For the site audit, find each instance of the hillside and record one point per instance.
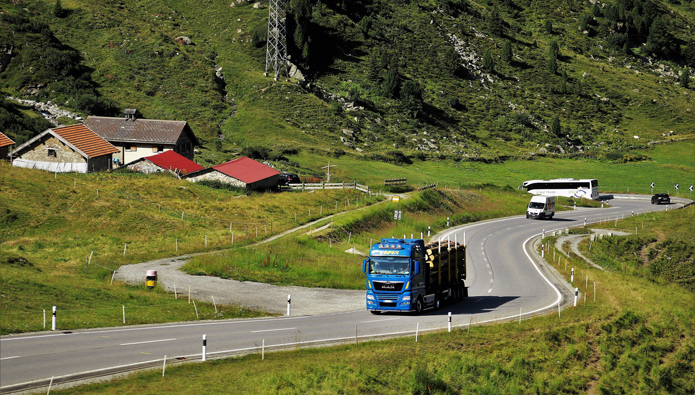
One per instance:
(390, 81)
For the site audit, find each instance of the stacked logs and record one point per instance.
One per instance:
(451, 256)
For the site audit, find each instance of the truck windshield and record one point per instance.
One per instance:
(389, 265)
(536, 205)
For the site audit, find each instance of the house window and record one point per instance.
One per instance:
(158, 148)
(131, 148)
(52, 153)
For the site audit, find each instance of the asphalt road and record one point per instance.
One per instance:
(504, 280)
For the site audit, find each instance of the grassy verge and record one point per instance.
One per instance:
(317, 258)
(53, 225)
(632, 335)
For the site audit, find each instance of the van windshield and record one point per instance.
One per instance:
(536, 205)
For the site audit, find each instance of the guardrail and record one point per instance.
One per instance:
(329, 185)
(430, 186)
(395, 181)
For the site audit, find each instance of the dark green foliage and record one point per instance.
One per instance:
(256, 152)
(488, 61)
(552, 65)
(555, 127)
(411, 96)
(259, 36)
(507, 53)
(689, 53)
(391, 84)
(585, 21)
(365, 24)
(554, 49)
(18, 126)
(495, 23)
(451, 61)
(660, 40)
(548, 26)
(374, 66)
(684, 79)
(58, 10)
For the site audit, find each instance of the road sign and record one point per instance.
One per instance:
(651, 185)
(397, 215)
(691, 188)
(395, 199)
(675, 187)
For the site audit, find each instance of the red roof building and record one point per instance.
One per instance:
(74, 148)
(166, 161)
(243, 172)
(5, 144)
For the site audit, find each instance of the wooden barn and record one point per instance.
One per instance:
(6, 144)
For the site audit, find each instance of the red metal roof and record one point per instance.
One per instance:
(85, 140)
(170, 160)
(246, 170)
(5, 141)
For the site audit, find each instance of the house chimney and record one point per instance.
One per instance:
(130, 113)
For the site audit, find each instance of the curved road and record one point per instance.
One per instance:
(504, 279)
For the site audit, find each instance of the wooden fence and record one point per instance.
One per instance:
(329, 185)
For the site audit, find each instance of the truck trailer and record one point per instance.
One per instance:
(408, 275)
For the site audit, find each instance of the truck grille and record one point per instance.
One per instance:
(388, 286)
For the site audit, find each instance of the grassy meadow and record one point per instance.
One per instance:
(632, 335)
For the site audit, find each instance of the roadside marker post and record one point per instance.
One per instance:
(53, 321)
(289, 302)
(572, 276)
(164, 365)
(576, 293)
(449, 325)
(205, 344)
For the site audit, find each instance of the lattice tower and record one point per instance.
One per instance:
(276, 50)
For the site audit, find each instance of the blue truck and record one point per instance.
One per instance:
(407, 275)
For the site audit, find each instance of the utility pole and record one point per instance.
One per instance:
(328, 172)
(276, 49)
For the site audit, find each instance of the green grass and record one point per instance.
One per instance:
(633, 335)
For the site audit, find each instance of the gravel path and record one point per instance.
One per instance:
(574, 241)
(259, 296)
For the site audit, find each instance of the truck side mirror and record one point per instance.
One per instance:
(364, 266)
(416, 267)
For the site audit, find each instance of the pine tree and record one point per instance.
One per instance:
(552, 65)
(488, 61)
(58, 9)
(685, 78)
(507, 53)
(689, 54)
(555, 127)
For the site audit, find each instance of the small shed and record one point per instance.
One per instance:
(243, 172)
(74, 148)
(6, 144)
(166, 161)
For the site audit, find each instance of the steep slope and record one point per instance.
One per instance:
(385, 80)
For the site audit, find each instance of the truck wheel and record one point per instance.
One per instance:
(526, 216)
(418, 306)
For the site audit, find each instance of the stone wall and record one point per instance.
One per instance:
(217, 176)
(64, 154)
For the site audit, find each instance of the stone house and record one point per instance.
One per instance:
(73, 148)
(243, 172)
(166, 161)
(137, 138)
(5, 147)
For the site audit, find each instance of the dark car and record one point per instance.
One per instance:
(288, 178)
(661, 198)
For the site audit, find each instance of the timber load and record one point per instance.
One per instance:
(446, 261)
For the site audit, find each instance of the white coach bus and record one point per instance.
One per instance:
(569, 187)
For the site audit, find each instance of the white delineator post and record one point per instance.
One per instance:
(449, 322)
(572, 276)
(289, 302)
(53, 321)
(576, 293)
(205, 344)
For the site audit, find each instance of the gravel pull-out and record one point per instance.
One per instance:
(259, 296)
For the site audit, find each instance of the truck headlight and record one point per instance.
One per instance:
(406, 298)
(370, 297)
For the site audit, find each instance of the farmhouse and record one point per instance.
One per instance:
(5, 147)
(243, 172)
(72, 148)
(137, 138)
(166, 161)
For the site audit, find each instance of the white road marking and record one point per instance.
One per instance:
(385, 319)
(16, 356)
(275, 330)
(149, 341)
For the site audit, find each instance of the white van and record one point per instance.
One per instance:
(541, 207)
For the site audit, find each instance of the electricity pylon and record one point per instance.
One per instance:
(276, 49)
